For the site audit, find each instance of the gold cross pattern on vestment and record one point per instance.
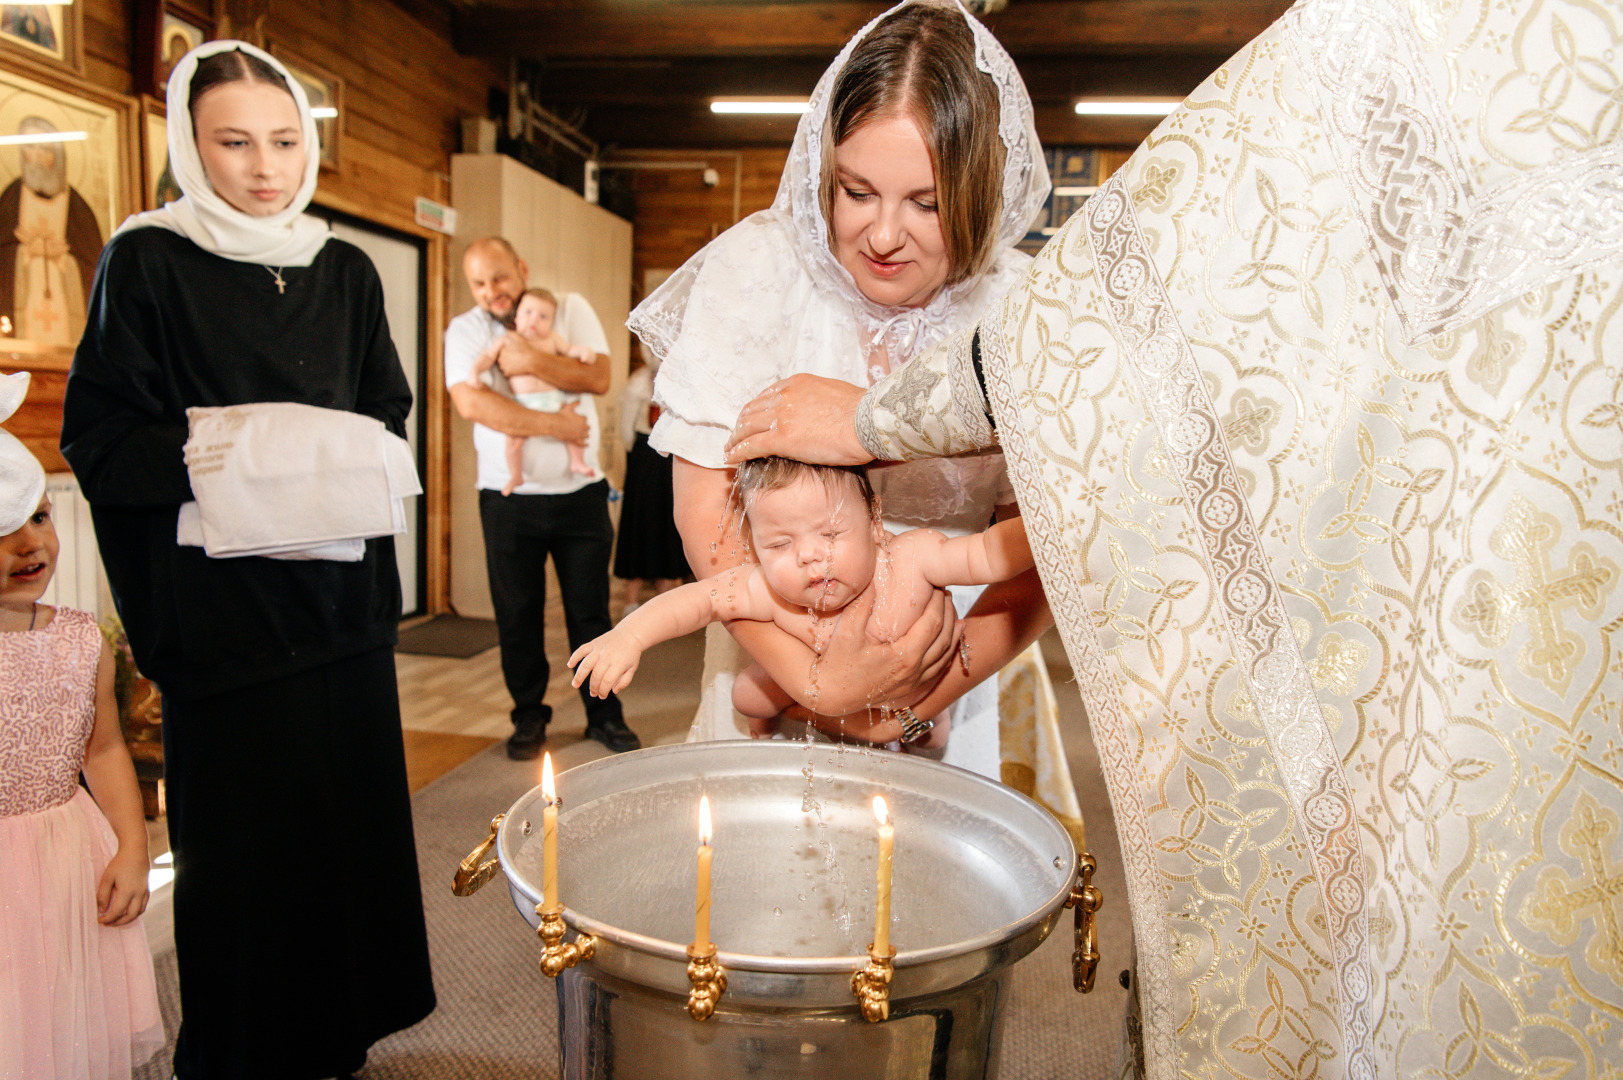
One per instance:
(1540, 595)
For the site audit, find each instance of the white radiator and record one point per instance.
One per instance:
(79, 579)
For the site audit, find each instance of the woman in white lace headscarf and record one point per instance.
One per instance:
(797, 288)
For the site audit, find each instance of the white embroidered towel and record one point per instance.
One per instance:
(293, 481)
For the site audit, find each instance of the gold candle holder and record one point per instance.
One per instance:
(473, 871)
(871, 985)
(556, 957)
(1087, 900)
(708, 979)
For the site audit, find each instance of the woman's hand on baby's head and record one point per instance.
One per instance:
(610, 660)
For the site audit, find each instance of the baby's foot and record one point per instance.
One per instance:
(582, 469)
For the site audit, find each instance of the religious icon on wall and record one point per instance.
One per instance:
(62, 192)
(48, 32)
(159, 186)
(326, 93)
(165, 31)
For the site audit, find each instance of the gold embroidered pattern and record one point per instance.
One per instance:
(1259, 630)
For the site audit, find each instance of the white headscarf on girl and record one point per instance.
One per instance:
(770, 293)
(289, 237)
(22, 479)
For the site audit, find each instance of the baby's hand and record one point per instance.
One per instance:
(121, 896)
(583, 353)
(610, 660)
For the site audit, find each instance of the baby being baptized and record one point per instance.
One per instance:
(818, 545)
(532, 320)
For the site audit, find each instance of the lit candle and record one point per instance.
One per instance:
(887, 838)
(701, 907)
(549, 839)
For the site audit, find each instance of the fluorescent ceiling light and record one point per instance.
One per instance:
(323, 112)
(1125, 108)
(43, 137)
(1076, 189)
(760, 106)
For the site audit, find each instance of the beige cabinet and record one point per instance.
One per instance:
(569, 245)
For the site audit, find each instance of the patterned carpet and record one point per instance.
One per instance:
(497, 1015)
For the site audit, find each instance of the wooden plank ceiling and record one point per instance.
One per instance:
(641, 73)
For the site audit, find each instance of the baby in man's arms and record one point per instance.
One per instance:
(533, 321)
(818, 545)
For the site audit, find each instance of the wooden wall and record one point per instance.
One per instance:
(677, 214)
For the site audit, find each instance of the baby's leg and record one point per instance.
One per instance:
(577, 461)
(515, 463)
(759, 698)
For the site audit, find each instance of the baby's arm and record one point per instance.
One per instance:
(611, 660)
(121, 896)
(998, 554)
(559, 347)
(484, 363)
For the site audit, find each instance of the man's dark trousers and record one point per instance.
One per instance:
(521, 531)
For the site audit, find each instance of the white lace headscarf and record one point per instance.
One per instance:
(1025, 176)
(22, 480)
(769, 284)
(289, 237)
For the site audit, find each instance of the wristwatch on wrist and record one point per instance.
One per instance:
(914, 727)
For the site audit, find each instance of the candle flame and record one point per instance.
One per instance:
(704, 819)
(879, 810)
(547, 787)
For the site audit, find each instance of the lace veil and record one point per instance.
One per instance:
(768, 298)
(1025, 174)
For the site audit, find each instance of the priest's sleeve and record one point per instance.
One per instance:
(934, 406)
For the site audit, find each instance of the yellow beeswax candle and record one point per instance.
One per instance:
(701, 908)
(887, 839)
(549, 839)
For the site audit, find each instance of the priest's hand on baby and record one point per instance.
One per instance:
(805, 417)
(610, 660)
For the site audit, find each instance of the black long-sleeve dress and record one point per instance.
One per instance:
(282, 743)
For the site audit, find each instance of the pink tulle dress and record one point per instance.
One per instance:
(77, 999)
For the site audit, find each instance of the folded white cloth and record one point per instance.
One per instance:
(293, 481)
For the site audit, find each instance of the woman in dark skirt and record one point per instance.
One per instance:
(298, 917)
(648, 547)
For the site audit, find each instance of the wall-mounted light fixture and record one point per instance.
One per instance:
(785, 106)
(1096, 107)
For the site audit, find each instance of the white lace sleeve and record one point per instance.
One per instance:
(725, 327)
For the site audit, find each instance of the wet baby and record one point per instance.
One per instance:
(818, 544)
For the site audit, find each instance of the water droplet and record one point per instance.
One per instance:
(778, 911)
(801, 897)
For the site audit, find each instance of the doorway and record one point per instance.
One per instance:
(401, 265)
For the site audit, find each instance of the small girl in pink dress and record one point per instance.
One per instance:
(77, 997)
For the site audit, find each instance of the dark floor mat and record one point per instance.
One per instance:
(449, 635)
